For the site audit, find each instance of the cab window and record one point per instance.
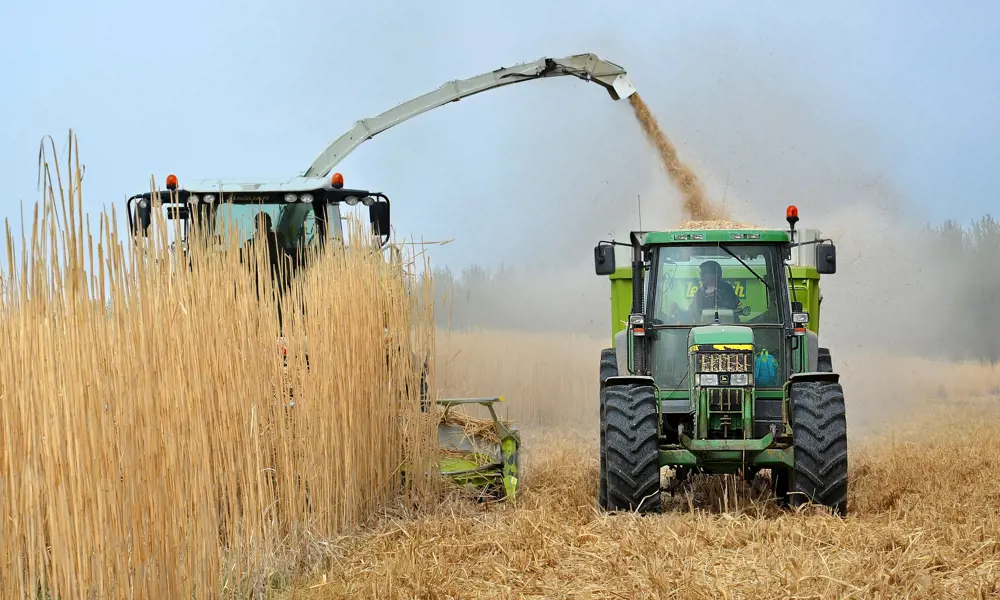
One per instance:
(695, 281)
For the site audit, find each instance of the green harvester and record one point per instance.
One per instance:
(720, 383)
(306, 212)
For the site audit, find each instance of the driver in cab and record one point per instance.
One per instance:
(263, 231)
(712, 289)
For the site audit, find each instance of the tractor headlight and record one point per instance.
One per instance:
(740, 379)
(209, 198)
(638, 324)
(291, 198)
(351, 200)
(708, 379)
(306, 198)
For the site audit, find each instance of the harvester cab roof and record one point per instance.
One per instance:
(303, 210)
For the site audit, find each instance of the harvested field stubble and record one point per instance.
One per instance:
(147, 447)
(923, 501)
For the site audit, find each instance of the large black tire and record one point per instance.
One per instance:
(609, 368)
(819, 429)
(632, 439)
(825, 361)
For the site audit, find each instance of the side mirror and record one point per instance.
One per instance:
(826, 258)
(604, 259)
(378, 214)
(143, 216)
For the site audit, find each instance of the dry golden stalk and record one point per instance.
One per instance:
(146, 446)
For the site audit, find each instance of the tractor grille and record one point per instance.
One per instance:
(727, 400)
(724, 362)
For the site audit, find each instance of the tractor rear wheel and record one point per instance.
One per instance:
(825, 361)
(633, 454)
(609, 368)
(819, 429)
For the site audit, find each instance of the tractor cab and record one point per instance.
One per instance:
(716, 330)
(303, 211)
(725, 285)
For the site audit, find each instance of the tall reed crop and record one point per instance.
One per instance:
(153, 441)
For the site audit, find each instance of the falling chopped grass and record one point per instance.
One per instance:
(148, 448)
(696, 205)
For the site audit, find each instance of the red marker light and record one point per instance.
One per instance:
(171, 182)
(792, 216)
(337, 181)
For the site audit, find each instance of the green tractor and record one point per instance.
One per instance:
(716, 367)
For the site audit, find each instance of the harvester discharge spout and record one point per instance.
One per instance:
(588, 67)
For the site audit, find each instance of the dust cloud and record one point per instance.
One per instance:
(759, 138)
(696, 206)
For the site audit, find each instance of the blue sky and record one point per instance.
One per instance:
(787, 102)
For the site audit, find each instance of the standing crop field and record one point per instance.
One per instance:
(153, 442)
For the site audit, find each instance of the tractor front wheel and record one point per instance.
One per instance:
(609, 368)
(819, 429)
(633, 454)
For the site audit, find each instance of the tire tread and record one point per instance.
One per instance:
(632, 437)
(819, 427)
(609, 368)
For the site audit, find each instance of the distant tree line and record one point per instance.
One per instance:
(967, 317)
(934, 292)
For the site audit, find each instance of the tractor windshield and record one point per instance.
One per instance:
(294, 223)
(736, 280)
(688, 290)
